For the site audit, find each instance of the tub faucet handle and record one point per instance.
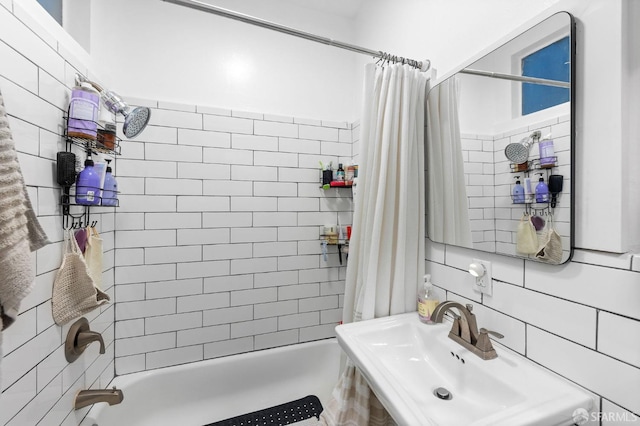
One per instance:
(78, 338)
(86, 337)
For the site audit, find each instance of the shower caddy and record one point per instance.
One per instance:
(90, 147)
(530, 169)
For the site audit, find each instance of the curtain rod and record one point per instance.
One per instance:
(524, 79)
(204, 7)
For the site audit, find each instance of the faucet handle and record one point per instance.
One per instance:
(469, 307)
(83, 338)
(484, 343)
(78, 337)
(491, 332)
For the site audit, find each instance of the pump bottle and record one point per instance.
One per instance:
(110, 193)
(88, 185)
(427, 301)
(542, 191)
(518, 192)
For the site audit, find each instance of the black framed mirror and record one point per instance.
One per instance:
(500, 148)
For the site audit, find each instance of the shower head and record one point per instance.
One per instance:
(518, 152)
(135, 120)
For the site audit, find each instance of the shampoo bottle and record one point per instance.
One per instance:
(518, 192)
(88, 185)
(542, 191)
(426, 301)
(110, 193)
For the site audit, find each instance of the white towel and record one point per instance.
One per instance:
(20, 232)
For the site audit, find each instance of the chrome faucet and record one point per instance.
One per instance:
(465, 329)
(92, 396)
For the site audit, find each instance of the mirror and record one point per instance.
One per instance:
(500, 147)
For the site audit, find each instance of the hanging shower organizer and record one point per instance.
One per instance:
(81, 215)
(530, 169)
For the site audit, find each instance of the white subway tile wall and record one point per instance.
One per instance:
(221, 252)
(37, 383)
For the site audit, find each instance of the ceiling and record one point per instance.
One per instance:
(345, 8)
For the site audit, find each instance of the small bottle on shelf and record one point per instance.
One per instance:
(340, 173)
(350, 173)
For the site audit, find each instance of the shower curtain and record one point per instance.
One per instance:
(386, 252)
(448, 220)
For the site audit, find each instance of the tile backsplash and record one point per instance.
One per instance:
(579, 319)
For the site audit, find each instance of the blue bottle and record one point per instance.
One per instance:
(110, 192)
(88, 185)
(542, 191)
(518, 192)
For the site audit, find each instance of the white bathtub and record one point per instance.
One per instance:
(207, 391)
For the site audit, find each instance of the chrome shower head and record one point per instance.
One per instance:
(518, 152)
(135, 121)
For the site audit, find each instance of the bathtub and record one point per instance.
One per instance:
(203, 392)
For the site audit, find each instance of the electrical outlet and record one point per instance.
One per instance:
(483, 283)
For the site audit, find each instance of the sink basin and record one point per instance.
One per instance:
(405, 362)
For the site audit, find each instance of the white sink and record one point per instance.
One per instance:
(404, 361)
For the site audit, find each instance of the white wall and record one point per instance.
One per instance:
(181, 55)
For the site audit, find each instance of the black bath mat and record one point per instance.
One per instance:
(280, 415)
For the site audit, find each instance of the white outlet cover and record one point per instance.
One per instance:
(485, 283)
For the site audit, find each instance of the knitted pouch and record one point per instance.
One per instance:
(526, 237)
(74, 293)
(550, 246)
(93, 256)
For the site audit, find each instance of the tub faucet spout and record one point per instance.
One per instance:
(92, 396)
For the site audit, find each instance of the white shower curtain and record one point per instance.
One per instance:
(386, 252)
(448, 219)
